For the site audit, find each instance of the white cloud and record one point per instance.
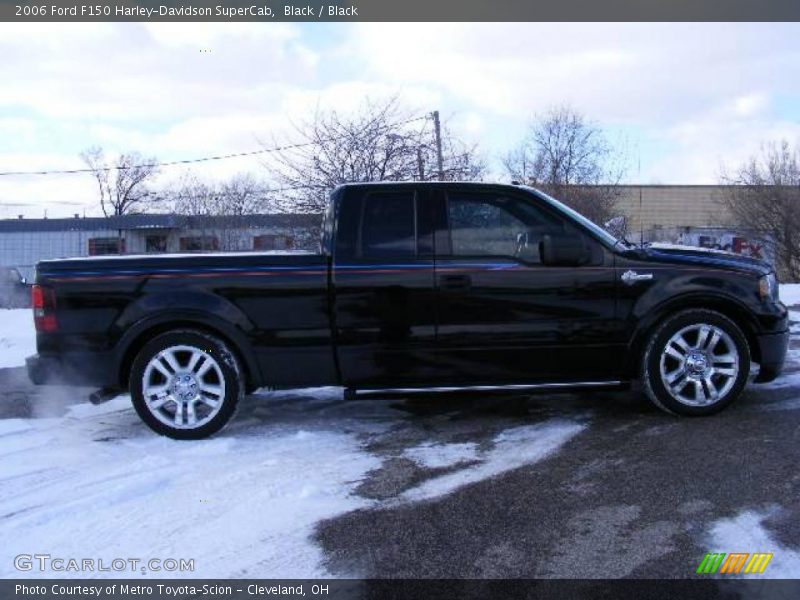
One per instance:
(143, 87)
(206, 35)
(751, 104)
(612, 71)
(152, 72)
(703, 93)
(718, 139)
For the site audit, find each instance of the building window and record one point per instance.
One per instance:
(155, 243)
(272, 242)
(106, 245)
(198, 243)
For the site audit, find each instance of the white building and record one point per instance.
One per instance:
(24, 242)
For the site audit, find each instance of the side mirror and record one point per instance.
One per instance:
(563, 250)
(23, 280)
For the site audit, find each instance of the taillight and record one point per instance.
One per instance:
(43, 300)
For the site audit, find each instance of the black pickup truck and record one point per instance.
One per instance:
(416, 286)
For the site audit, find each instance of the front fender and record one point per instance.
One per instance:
(736, 299)
(683, 288)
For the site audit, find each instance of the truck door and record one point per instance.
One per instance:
(504, 317)
(383, 287)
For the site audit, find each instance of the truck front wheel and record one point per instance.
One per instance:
(186, 384)
(696, 363)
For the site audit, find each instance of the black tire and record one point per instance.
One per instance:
(224, 372)
(657, 389)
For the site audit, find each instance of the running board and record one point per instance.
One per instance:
(353, 394)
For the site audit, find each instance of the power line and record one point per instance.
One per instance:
(167, 196)
(195, 160)
(152, 165)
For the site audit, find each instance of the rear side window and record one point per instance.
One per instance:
(388, 225)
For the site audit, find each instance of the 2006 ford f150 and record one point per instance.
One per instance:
(416, 286)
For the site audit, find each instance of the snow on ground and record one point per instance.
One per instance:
(241, 504)
(746, 532)
(435, 456)
(97, 483)
(14, 426)
(17, 337)
(512, 449)
(790, 293)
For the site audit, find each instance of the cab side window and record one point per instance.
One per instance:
(483, 224)
(388, 228)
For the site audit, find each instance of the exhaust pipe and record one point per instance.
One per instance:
(104, 395)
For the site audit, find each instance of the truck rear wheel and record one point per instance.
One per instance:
(186, 384)
(696, 363)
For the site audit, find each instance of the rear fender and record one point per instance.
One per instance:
(155, 313)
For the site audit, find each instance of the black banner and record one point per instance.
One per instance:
(397, 589)
(401, 10)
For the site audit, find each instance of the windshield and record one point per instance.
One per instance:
(601, 233)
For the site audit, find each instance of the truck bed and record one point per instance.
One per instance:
(275, 304)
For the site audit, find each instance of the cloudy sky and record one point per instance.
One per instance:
(684, 99)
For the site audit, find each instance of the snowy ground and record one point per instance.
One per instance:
(790, 294)
(17, 338)
(305, 484)
(242, 504)
(237, 504)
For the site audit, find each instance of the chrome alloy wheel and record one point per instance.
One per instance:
(183, 387)
(699, 364)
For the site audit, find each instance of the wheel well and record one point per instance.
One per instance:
(148, 334)
(734, 312)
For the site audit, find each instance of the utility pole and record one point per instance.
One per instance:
(437, 131)
(641, 222)
(420, 164)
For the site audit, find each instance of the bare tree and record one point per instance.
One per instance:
(242, 194)
(462, 161)
(379, 142)
(764, 199)
(571, 159)
(220, 207)
(123, 183)
(191, 196)
(239, 196)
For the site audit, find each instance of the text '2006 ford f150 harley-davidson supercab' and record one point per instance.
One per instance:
(416, 286)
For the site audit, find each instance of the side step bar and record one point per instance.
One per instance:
(355, 393)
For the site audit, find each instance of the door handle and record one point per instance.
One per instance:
(455, 283)
(630, 277)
